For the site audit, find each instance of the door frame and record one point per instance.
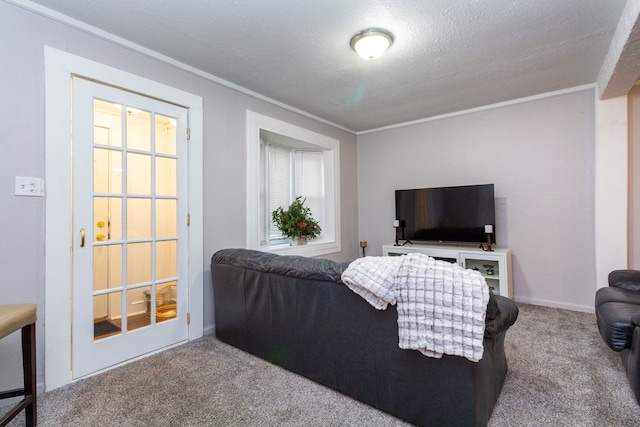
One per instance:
(60, 66)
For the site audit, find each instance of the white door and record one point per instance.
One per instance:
(130, 242)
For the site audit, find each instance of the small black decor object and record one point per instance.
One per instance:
(400, 223)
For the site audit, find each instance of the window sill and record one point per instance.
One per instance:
(311, 249)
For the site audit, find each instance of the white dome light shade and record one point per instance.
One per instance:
(371, 43)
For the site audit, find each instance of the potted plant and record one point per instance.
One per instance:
(296, 222)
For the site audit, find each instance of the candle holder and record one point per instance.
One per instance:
(396, 225)
(363, 244)
(488, 248)
(488, 231)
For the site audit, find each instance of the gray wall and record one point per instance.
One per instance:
(634, 178)
(540, 156)
(22, 37)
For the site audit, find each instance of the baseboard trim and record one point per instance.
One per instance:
(556, 304)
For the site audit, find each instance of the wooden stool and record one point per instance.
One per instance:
(12, 318)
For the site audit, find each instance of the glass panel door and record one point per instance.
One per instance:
(129, 193)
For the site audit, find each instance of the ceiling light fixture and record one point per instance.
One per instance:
(372, 42)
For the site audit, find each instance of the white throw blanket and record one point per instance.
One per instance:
(441, 306)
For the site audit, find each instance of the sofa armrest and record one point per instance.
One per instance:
(627, 279)
(508, 314)
(635, 319)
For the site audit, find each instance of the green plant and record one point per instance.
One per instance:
(296, 221)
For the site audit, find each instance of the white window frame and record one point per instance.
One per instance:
(330, 241)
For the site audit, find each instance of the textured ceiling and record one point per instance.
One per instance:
(449, 55)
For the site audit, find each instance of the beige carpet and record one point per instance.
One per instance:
(560, 374)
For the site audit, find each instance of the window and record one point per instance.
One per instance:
(285, 161)
(287, 172)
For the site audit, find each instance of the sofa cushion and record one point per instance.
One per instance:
(307, 268)
(616, 294)
(287, 265)
(615, 325)
(243, 258)
(628, 279)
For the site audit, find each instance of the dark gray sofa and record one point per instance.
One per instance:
(295, 312)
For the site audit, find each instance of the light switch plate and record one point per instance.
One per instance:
(28, 186)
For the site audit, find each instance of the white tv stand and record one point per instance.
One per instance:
(495, 266)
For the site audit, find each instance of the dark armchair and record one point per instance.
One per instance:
(618, 318)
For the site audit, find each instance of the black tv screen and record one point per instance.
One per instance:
(446, 214)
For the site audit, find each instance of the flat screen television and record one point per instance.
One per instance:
(446, 214)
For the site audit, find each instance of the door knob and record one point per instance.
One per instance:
(100, 224)
(100, 237)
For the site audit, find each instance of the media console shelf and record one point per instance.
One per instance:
(495, 266)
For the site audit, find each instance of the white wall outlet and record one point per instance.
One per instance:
(28, 186)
